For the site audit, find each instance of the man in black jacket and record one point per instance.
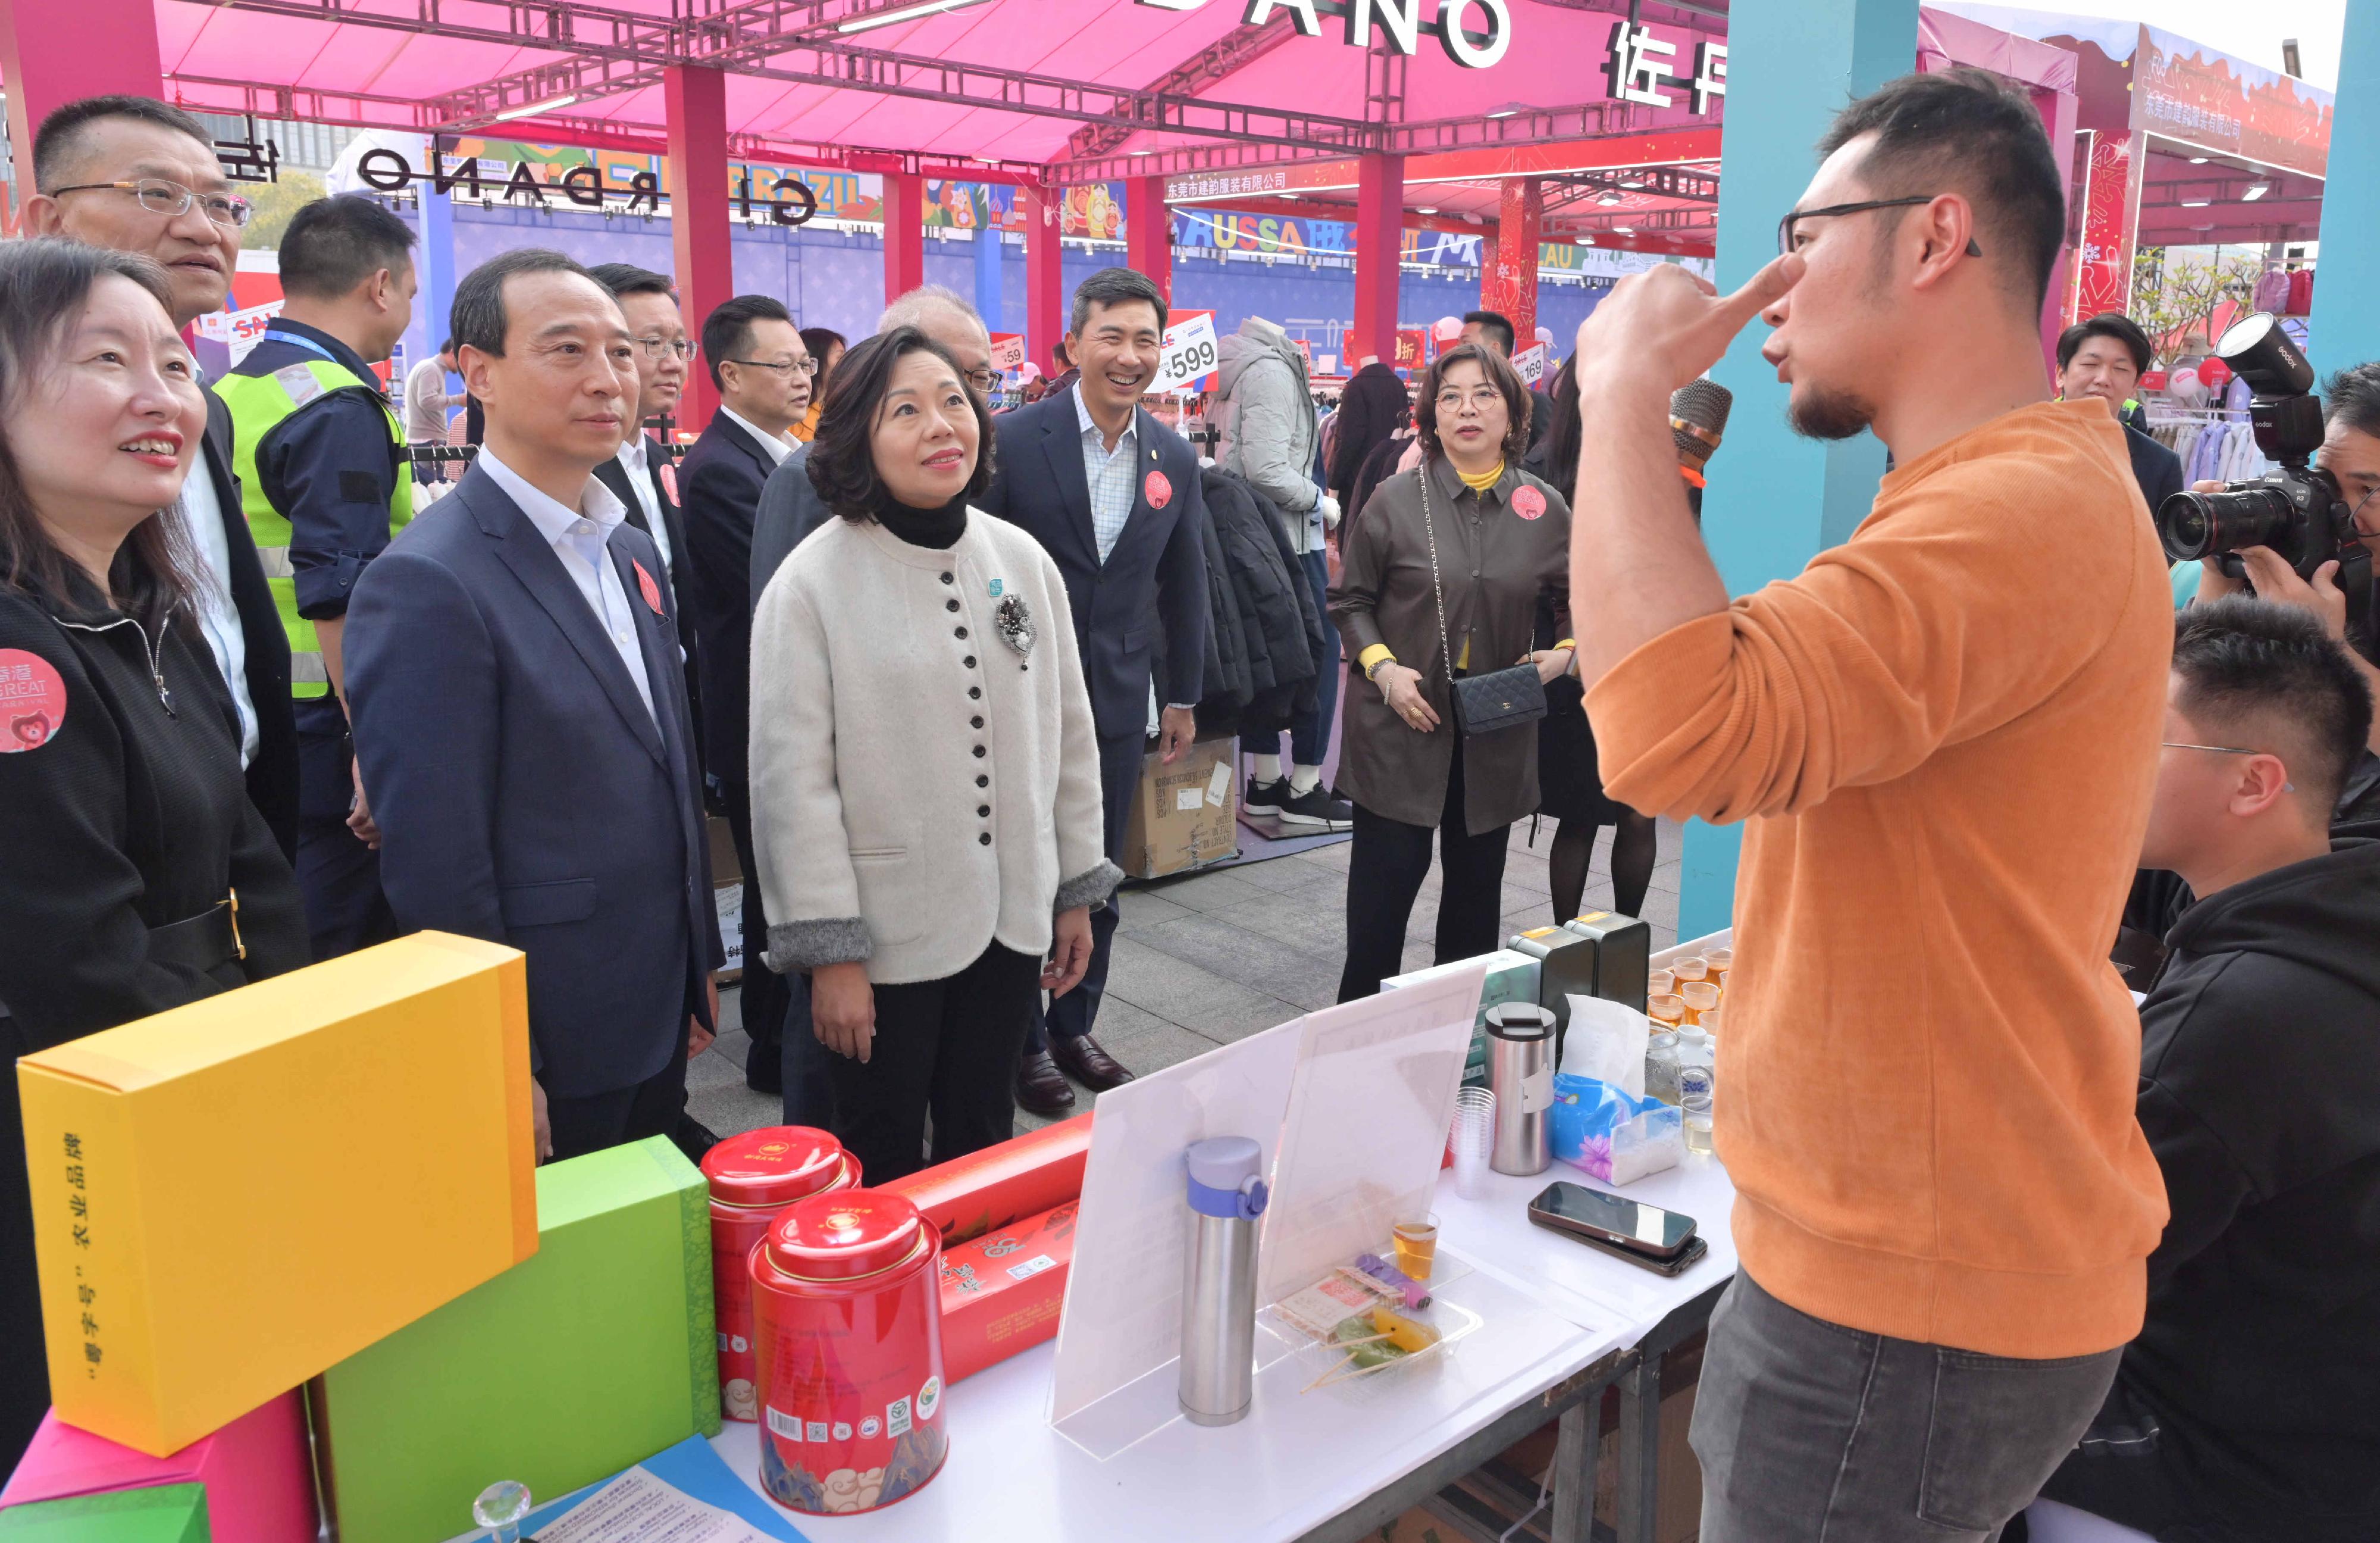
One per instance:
(1373, 407)
(2244, 1409)
(110, 171)
(2105, 357)
(758, 361)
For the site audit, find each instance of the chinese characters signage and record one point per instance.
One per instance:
(1474, 32)
(1644, 69)
(2185, 91)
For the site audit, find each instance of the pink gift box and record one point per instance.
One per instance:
(256, 1470)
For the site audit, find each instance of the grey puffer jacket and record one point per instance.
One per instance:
(1269, 426)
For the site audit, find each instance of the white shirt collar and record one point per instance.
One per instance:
(553, 520)
(777, 445)
(631, 453)
(1088, 424)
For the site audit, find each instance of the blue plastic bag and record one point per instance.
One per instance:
(1612, 1134)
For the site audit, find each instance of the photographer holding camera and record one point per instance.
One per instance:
(1948, 725)
(2351, 453)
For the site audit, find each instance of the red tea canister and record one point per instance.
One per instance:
(753, 1178)
(847, 1316)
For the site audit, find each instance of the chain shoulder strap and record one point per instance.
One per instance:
(1437, 585)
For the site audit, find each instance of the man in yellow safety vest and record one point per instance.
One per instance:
(325, 484)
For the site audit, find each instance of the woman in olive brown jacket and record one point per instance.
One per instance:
(1502, 539)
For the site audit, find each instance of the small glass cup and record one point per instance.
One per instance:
(1720, 961)
(1694, 966)
(1416, 1246)
(1660, 982)
(1700, 997)
(1667, 1008)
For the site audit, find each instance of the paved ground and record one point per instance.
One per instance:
(1207, 959)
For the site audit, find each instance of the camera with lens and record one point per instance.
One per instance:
(2297, 510)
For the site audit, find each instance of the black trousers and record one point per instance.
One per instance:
(1385, 868)
(596, 1121)
(764, 993)
(948, 1046)
(1070, 1016)
(337, 874)
(24, 1359)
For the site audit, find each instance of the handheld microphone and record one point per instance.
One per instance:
(1697, 418)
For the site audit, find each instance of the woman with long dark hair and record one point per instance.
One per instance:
(138, 877)
(1570, 781)
(926, 806)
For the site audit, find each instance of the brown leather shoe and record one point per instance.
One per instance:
(1040, 1086)
(1084, 1061)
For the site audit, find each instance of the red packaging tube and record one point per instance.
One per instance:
(753, 1178)
(1000, 1186)
(846, 1306)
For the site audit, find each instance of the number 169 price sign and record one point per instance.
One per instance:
(1188, 353)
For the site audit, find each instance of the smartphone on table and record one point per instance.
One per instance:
(1662, 1241)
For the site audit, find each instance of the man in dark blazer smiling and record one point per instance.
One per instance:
(521, 719)
(1113, 495)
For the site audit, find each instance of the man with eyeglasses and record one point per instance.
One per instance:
(640, 474)
(758, 361)
(2242, 1411)
(1947, 725)
(132, 174)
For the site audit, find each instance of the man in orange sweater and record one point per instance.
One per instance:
(1943, 734)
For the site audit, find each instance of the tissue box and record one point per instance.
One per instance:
(1511, 976)
(257, 1472)
(1023, 1176)
(232, 1195)
(1002, 1293)
(593, 1355)
(178, 1514)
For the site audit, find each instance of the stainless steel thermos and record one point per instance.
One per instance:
(1218, 1297)
(1521, 1075)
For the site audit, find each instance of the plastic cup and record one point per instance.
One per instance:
(1694, 966)
(1474, 1140)
(1700, 997)
(1416, 1246)
(1668, 1008)
(1659, 983)
(1720, 961)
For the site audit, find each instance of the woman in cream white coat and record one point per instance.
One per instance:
(925, 771)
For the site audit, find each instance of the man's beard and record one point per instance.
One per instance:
(1818, 413)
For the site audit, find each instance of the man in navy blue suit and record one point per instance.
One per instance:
(520, 716)
(1113, 495)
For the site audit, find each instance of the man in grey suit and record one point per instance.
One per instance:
(520, 716)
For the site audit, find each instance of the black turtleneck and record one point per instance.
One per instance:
(939, 529)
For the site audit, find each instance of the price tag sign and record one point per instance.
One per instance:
(1188, 353)
(1531, 362)
(1008, 351)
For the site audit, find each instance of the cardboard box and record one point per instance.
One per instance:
(589, 1357)
(233, 1196)
(1511, 976)
(1000, 1185)
(1002, 1293)
(257, 1471)
(1184, 814)
(178, 1514)
(727, 896)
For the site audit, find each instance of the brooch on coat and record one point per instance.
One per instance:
(1014, 619)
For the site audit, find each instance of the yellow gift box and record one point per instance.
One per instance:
(233, 1196)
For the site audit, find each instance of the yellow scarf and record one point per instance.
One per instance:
(1484, 480)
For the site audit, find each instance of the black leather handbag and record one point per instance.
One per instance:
(1490, 703)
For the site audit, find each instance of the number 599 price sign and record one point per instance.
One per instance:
(1188, 353)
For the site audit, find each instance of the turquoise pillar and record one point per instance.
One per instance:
(2345, 328)
(1775, 500)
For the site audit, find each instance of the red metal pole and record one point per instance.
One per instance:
(1045, 283)
(1148, 231)
(905, 234)
(1379, 243)
(47, 58)
(1507, 282)
(695, 101)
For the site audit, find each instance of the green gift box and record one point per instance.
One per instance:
(591, 1355)
(172, 1513)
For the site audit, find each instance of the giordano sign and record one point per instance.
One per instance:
(1400, 21)
(786, 200)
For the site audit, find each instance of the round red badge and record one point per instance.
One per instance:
(645, 582)
(32, 702)
(1159, 490)
(669, 477)
(1528, 502)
